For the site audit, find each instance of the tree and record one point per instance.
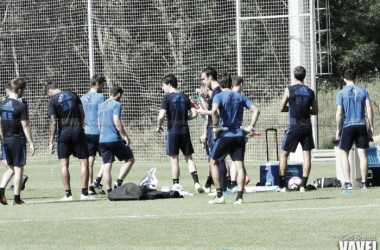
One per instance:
(355, 39)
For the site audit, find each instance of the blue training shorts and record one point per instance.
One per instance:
(176, 142)
(357, 134)
(72, 142)
(15, 154)
(93, 144)
(295, 135)
(118, 148)
(234, 146)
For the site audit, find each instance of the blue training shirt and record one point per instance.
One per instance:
(231, 109)
(12, 113)
(108, 131)
(91, 102)
(301, 99)
(65, 105)
(353, 98)
(177, 106)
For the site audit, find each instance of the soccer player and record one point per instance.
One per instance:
(91, 102)
(352, 102)
(114, 141)
(302, 104)
(176, 105)
(209, 78)
(237, 83)
(66, 119)
(2, 154)
(14, 128)
(231, 104)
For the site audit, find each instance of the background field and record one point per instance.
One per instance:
(312, 220)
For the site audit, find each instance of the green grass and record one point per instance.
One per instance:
(293, 220)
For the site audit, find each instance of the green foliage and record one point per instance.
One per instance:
(355, 40)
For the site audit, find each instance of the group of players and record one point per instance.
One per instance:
(91, 124)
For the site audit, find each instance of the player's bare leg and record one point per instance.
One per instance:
(283, 167)
(193, 171)
(65, 174)
(7, 176)
(17, 182)
(107, 167)
(124, 170)
(240, 178)
(174, 161)
(91, 162)
(345, 164)
(362, 153)
(306, 167)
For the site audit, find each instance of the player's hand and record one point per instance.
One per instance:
(248, 131)
(370, 132)
(31, 149)
(337, 136)
(127, 140)
(159, 130)
(202, 140)
(51, 148)
(217, 130)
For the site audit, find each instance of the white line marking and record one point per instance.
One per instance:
(187, 214)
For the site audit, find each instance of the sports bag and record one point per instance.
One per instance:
(327, 182)
(126, 192)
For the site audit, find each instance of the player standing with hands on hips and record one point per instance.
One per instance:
(229, 136)
(14, 124)
(351, 102)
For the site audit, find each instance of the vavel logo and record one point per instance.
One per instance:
(357, 242)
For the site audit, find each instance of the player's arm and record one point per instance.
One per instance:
(255, 115)
(119, 126)
(314, 107)
(368, 106)
(214, 114)
(81, 112)
(53, 130)
(338, 119)
(202, 139)
(28, 134)
(204, 102)
(1, 130)
(193, 114)
(284, 101)
(160, 119)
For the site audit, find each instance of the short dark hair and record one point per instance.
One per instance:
(210, 72)
(49, 86)
(225, 81)
(350, 74)
(16, 84)
(299, 73)
(97, 78)
(170, 79)
(116, 89)
(237, 80)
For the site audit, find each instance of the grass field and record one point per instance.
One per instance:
(293, 220)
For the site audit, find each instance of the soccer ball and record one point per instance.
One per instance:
(295, 183)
